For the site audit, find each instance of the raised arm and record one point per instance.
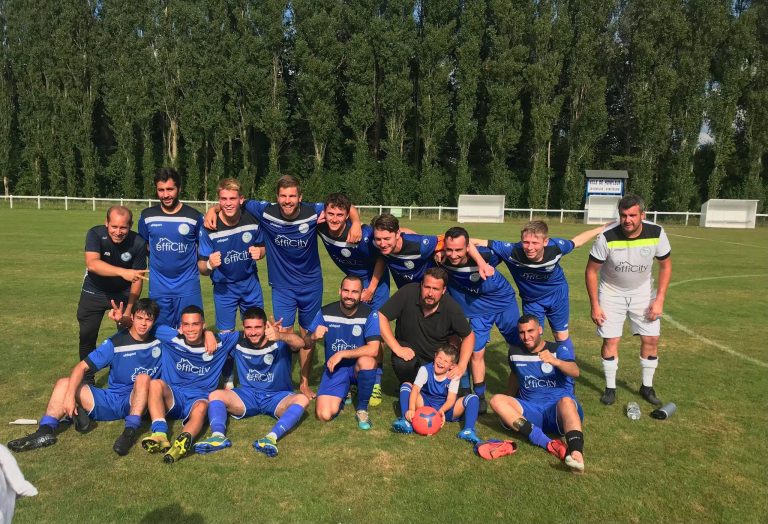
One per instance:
(355, 229)
(583, 237)
(378, 271)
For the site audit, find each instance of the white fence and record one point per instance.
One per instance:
(572, 215)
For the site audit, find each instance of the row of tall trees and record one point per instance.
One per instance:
(392, 101)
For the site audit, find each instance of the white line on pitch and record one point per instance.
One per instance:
(714, 240)
(701, 279)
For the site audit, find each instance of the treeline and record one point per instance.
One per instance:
(392, 101)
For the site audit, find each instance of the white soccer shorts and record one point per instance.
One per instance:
(617, 308)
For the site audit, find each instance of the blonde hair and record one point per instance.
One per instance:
(535, 227)
(229, 184)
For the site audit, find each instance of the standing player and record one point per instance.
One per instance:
(229, 256)
(408, 255)
(133, 357)
(191, 366)
(171, 230)
(543, 373)
(116, 263)
(534, 264)
(263, 358)
(623, 255)
(293, 262)
(352, 343)
(484, 302)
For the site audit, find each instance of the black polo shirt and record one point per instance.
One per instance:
(424, 334)
(131, 253)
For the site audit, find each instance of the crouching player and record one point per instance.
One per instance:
(543, 374)
(263, 358)
(192, 363)
(133, 357)
(432, 387)
(352, 343)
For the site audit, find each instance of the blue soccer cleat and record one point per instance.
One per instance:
(469, 435)
(402, 426)
(267, 446)
(363, 420)
(212, 444)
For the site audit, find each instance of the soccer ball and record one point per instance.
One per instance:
(426, 420)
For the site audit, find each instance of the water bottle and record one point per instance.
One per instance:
(633, 411)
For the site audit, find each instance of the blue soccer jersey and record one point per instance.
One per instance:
(126, 358)
(540, 382)
(535, 280)
(172, 241)
(434, 391)
(478, 297)
(292, 258)
(233, 243)
(413, 260)
(190, 367)
(346, 332)
(267, 369)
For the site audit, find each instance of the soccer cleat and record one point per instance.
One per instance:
(493, 449)
(38, 439)
(575, 465)
(557, 448)
(649, 395)
(266, 445)
(212, 444)
(352, 391)
(469, 435)
(124, 442)
(402, 426)
(375, 399)
(609, 396)
(483, 406)
(363, 421)
(156, 442)
(181, 447)
(81, 420)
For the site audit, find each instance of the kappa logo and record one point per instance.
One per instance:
(183, 229)
(247, 237)
(143, 371)
(233, 257)
(254, 375)
(536, 382)
(341, 345)
(303, 228)
(626, 267)
(284, 241)
(409, 264)
(168, 245)
(125, 257)
(185, 366)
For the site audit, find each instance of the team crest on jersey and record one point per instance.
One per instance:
(303, 228)
(268, 359)
(156, 352)
(645, 251)
(207, 357)
(346, 252)
(409, 264)
(474, 277)
(125, 257)
(357, 330)
(183, 229)
(507, 244)
(247, 237)
(546, 367)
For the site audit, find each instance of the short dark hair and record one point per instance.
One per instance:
(524, 319)
(450, 351)
(387, 222)
(255, 313)
(438, 273)
(339, 200)
(288, 181)
(147, 306)
(120, 210)
(192, 310)
(456, 232)
(631, 201)
(352, 278)
(164, 174)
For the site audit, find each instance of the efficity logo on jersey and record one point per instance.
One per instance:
(233, 257)
(165, 245)
(284, 241)
(536, 382)
(254, 375)
(185, 366)
(143, 371)
(341, 345)
(626, 267)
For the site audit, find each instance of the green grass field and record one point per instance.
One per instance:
(702, 465)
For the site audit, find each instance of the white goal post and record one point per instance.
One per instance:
(481, 208)
(601, 209)
(731, 213)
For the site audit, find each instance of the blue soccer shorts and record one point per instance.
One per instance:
(171, 308)
(109, 404)
(229, 296)
(183, 401)
(545, 415)
(285, 302)
(258, 402)
(505, 320)
(554, 308)
(337, 384)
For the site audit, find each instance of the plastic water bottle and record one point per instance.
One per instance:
(633, 411)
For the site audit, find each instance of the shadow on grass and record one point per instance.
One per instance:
(172, 513)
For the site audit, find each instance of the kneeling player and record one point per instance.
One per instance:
(134, 357)
(352, 343)
(432, 387)
(544, 373)
(192, 363)
(263, 359)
